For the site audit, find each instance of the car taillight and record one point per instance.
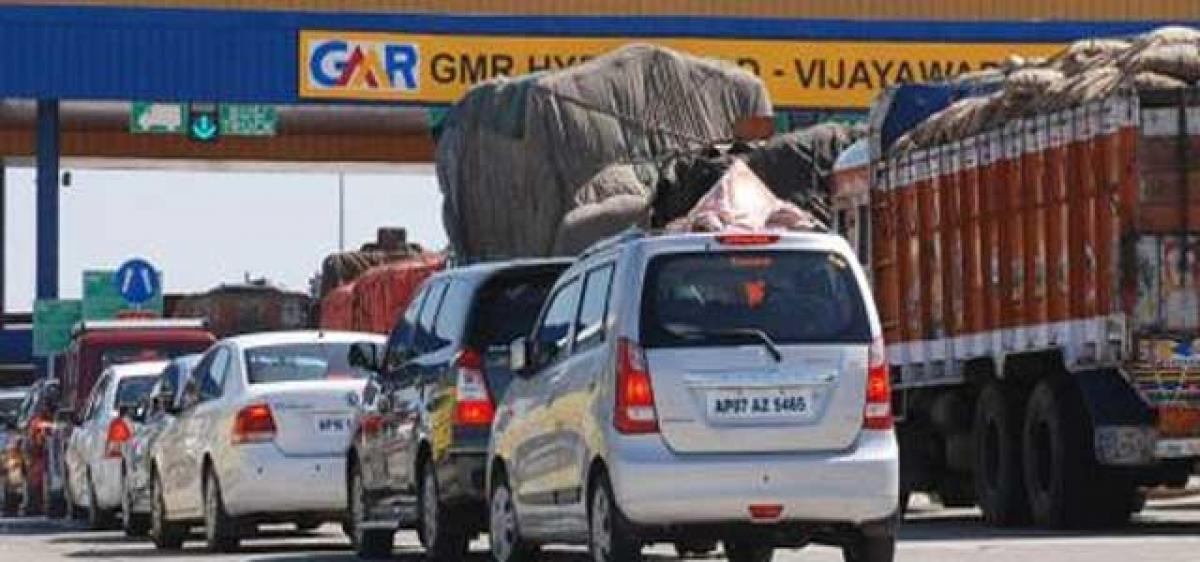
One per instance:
(254, 424)
(118, 434)
(635, 411)
(473, 402)
(747, 239)
(878, 413)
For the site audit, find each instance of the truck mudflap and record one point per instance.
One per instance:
(1124, 424)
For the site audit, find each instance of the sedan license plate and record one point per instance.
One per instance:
(791, 403)
(332, 425)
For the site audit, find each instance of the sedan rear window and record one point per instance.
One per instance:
(790, 297)
(131, 390)
(300, 362)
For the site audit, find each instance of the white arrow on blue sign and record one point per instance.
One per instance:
(137, 281)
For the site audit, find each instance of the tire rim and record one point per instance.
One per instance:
(503, 531)
(429, 508)
(210, 511)
(157, 511)
(601, 527)
(357, 502)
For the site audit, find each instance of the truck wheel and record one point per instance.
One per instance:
(1055, 457)
(999, 479)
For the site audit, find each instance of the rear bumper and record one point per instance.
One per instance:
(655, 486)
(261, 480)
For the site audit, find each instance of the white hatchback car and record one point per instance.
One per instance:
(260, 436)
(695, 388)
(94, 450)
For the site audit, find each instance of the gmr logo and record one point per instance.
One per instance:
(363, 66)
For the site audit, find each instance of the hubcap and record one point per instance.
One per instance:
(210, 513)
(601, 527)
(429, 508)
(357, 514)
(503, 524)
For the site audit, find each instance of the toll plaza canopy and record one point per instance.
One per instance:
(343, 59)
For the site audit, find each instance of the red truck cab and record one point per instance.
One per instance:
(96, 345)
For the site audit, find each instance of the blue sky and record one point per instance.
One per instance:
(205, 228)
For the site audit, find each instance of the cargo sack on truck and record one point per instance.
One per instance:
(518, 156)
(741, 201)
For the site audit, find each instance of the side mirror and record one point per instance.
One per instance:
(365, 356)
(518, 357)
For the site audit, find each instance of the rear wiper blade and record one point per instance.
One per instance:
(688, 331)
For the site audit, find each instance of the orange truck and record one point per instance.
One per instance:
(1039, 288)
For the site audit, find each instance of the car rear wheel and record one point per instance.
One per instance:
(165, 534)
(443, 534)
(134, 524)
(610, 536)
(370, 544)
(504, 528)
(99, 519)
(10, 502)
(875, 543)
(220, 530)
(742, 551)
(694, 547)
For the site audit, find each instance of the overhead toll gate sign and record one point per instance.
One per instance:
(422, 68)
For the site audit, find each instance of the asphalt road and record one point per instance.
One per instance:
(1167, 531)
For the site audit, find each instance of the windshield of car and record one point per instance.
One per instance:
(134, 354)
(300, 362)
(10, 406)
(132, 389)
(784, 297)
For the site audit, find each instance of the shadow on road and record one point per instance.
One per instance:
(971, 527)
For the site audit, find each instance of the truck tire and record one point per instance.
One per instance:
(999, 478)
(1056, 456)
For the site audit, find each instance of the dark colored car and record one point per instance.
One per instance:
(11, 402)
(418, 459)
(26, 450)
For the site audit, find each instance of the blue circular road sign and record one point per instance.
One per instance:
(137, 281)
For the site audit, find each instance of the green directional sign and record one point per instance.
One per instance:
(53, 321)
(249, 120)
(162, 118)
(204, 122)
(102, 298)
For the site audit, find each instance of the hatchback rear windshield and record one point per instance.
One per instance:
(132, 389)
(508, 307)
(300, 362)
(792, 297)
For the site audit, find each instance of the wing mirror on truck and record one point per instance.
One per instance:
(364, 355)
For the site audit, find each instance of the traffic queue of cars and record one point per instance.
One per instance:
(693, 389)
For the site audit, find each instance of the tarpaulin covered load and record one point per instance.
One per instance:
(534, 166)
(337, 308)
(741, 201)
(383, 292)
(391, 245)
(797, 167)
(1088, 70)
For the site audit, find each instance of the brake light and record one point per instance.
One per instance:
(254, 424)
(878, 413)
(747, 239)
(118, 434)
(635, 392)
(763, 512)
(473, 402)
